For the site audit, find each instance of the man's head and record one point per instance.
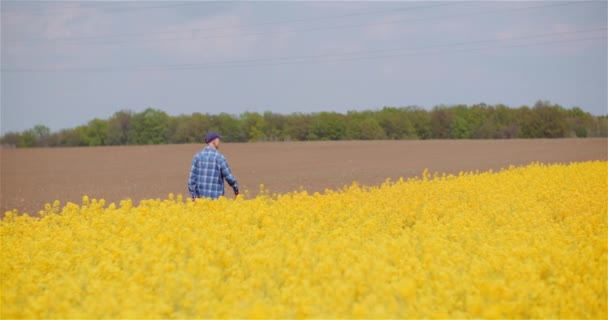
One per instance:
(213, 138)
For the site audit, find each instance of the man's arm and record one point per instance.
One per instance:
(227, 174)
(193, 179)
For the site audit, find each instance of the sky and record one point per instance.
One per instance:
(66, 63)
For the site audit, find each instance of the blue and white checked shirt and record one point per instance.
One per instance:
(207, 174)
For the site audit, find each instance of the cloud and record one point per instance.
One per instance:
(49, 36)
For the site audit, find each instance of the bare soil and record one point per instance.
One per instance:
(32, 177)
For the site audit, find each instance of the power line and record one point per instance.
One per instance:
(381, 57)
(341, 57)
(95, 40)
(382, 51)
(45, 9)
(222, 28)
(424, 50)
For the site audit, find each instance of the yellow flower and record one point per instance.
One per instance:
(523, 242)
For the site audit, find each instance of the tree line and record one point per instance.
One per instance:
(480, 121)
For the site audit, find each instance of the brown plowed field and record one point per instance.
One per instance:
(32, 177)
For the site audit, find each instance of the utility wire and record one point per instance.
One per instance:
(340, 57)
(45, 9)
(385, 51)
(222, 28)
(94, 40)
(375, 57)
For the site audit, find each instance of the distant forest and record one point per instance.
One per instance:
(480, 121)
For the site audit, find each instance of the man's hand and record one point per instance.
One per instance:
(236, 191)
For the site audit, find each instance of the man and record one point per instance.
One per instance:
(208, 171)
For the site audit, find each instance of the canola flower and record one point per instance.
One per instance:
(525, 242)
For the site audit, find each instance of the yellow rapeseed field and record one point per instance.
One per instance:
(525, 242)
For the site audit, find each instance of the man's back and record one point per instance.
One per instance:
(207, 174)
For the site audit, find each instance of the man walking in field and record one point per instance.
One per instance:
(208, 171)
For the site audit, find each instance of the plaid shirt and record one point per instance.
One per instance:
(207, 174)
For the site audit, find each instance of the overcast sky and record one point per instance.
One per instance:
(65, 63)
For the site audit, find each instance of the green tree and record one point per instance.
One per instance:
(480, 121)
(579, 122)
(601, 126)
(396, 123)
(191, 129)
(254, 126)
(489, 125)
(328, 126)
(369, 129)
(363, 126)
(228, 126)
(441, 119)
(75, 137)
(298, 126)
(421, 120)
(149, 127)
(476, 116)
(41, 135)
(96, 133)
(275, 126)
(544, 121)
(11, 139)
(459, 128)
(119, 127)
(506, 120)
(28, 139)
(460, 125)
